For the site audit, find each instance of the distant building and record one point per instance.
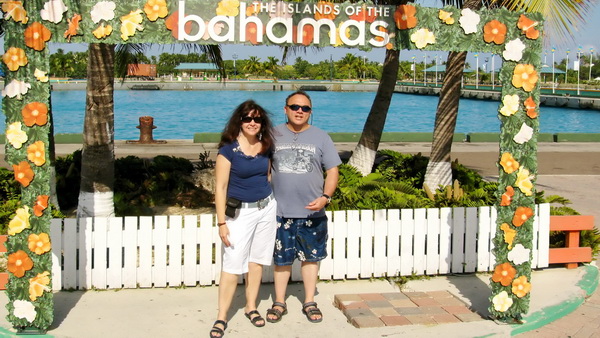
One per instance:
(141, 71)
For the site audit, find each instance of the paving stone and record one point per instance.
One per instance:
(355, 305)
(425, 302)
(450, 301)
(457, 309)
(350, 297)
(440, 294)
(468, 317)
(403, 303)
(433, 310)
(421, 319)
(395, 320)
(413, 295)
(378, 303)
(369, 321)
(385, 311)
(351, 313)
(409, 310)
(394, 295)
(371, 296)
(445, 318)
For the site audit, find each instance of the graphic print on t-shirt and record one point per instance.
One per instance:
(294, 158)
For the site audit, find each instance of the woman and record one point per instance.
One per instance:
(248, 231)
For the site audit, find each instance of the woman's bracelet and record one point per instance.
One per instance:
(222, 223)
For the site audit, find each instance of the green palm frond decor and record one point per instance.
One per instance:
(30, 25)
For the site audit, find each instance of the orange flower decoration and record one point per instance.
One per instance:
(507, 196)
(383, 30)
(39, 284)
(252, 33)
(18, 263)
(23, 173)
(504, 273)
(252, 9)
(73, 28)
(365, 14)
(405, 16)
(520, 286)
(36, 153)
(39, 244)
(308, 33)
(494, 31)
(522, 214)
(155, 9)
(35, 113)
(325, 10)
(508, 162)
(14, 10)
(14, 58)
(527, 26)
(36, 36)
(172, 24)
(41, 203)
(525, 77)
(530, 107)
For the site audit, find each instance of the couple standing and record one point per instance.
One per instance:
(291, 158)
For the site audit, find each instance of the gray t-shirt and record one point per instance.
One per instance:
(298, 164)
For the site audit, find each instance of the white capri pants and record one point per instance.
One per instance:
(252, 237)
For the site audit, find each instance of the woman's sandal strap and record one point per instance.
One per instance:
(219, 332)
(276, 313)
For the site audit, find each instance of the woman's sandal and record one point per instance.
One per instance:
(276, 313)
(311, 310)
(256, 319)
(217, 332)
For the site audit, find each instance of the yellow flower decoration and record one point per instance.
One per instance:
(520, 287)
(523, 182)
(36, 153)
(38, 285)
(422, 38)
(130, 23)
(509, 234)
(508, 163)
(502, 301)
(15, 135)
(39, 244)
(525, 77)
(40, 75)
(446, 17)
(102, 31)
(155, 9)
(510, 105)
(228, 8)
(14, 58)
(20, 222)
(338, 34)
(14, 10)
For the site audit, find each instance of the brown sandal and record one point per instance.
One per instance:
(216, 331)
(276, 313)
(310, 309)
(256, 319)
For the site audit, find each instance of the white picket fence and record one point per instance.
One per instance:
(163, 251)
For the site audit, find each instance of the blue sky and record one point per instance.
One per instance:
(586, 37)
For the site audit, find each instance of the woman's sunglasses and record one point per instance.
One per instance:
(248, 119)
(295, 107)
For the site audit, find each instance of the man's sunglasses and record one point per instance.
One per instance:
(295, 107)
(248, 119)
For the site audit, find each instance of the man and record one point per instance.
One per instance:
(302, 152)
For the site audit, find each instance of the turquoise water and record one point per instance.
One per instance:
(180, 114)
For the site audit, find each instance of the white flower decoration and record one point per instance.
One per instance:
(16, 88)
(41, 75)
(510, 105)
(469, 21)
(422, 38)
(513, 50)
(53, 11)
(502, 301)
(524, 134)
(15, 135)
(281, 10)
(24, 309)
(104, 10)
(519, 254)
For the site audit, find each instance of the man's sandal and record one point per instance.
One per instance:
(255, 318)
(216, 331)
(311, 310)
(276, 313)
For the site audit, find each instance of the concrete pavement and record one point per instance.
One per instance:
(561, 305)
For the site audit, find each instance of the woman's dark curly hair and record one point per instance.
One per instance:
(233, 127)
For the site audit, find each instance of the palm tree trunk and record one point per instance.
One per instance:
(439, 170)
(363, 156)
(98, 156)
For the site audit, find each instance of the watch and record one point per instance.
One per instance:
(328, 199)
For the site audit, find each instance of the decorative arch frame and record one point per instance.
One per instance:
(30, 25)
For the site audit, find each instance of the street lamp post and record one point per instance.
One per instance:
(553, 85)
(567, 67)
(436, 69)
(234, 57)
(414, 71)
(476, 71)
(424, 68)
(493, 71)
(591, 63)
(578, 67)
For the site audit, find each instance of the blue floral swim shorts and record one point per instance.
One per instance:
(301, 238)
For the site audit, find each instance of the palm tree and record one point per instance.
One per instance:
(252, 66)
(270, 66)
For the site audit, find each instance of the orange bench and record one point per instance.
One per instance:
(571, 255)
